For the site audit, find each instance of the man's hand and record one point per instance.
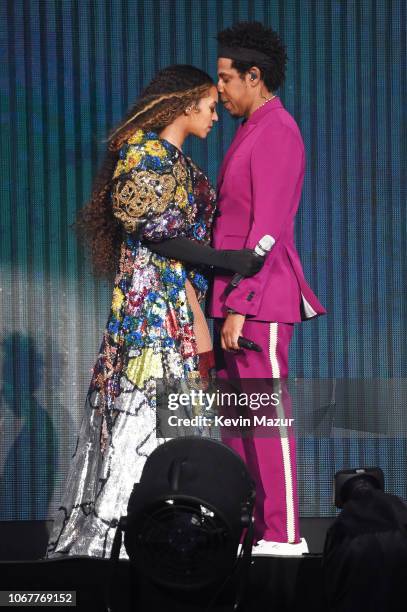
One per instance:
(231, 330)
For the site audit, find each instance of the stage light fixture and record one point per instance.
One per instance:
(188, 513)
(349, 482)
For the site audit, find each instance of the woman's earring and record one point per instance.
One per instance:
(187, 110)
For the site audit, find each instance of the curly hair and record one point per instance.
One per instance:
(166, 97)
(254, 35)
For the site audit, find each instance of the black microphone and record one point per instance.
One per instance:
(261, 249)
(248, 344)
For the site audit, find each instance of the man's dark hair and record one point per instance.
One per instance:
(254, 35)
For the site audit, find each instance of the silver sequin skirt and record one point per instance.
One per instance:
(100, 482)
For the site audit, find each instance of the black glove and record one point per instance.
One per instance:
(242, 261)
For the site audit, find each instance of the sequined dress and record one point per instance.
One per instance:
(157, 193)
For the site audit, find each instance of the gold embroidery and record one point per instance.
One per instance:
(127, 206)
(180, 173)
(145, 192)
(165, 186)
(181, 197)
(190, 214)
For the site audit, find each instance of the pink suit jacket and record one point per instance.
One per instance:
(259, 190)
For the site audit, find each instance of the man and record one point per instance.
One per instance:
(259, 189)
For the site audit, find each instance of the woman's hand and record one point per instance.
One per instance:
(231, 330)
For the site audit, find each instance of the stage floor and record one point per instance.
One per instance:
(283, 584)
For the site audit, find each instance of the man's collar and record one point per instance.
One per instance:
(262, 111)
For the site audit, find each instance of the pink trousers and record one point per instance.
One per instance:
(270, 458)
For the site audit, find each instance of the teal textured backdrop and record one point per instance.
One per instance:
(69, 69)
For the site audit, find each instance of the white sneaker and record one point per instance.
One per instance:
(265, 548)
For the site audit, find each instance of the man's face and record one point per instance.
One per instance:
(235, 92)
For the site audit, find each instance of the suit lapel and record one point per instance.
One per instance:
(243, 132)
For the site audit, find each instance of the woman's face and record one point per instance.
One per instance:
(201, 118)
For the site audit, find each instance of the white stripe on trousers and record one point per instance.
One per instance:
(285, 444)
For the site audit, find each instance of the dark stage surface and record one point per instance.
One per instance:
(278, 583)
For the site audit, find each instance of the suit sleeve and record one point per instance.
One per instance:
(277, 170)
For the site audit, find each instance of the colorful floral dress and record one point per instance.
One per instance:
(157, 193)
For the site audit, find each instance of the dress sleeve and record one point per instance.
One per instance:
(150, 189)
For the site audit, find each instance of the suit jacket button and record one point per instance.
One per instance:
(250, 296)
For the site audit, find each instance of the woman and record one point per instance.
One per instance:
(146, 192)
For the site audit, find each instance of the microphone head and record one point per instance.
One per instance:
(264, 245)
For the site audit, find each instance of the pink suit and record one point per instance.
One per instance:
(259, 190)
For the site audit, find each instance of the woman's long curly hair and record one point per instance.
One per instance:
(171, 91)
